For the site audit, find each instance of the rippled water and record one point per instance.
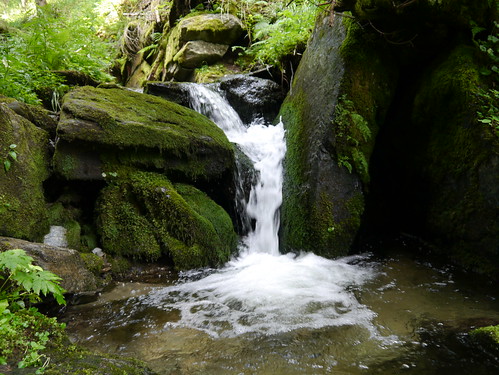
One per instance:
(394, 316)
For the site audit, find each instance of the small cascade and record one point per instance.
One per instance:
(261, 290)
(265, 146)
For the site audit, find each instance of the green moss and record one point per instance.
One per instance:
(139, 130)
(211, 73)
(216, 215)
(459, 162)
(488, 336)
(122, 228)
(120, 267)
(143, 216)
(93, 263)
(22, 203)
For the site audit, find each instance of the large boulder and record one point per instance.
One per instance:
(102, 130)
(145, 216)
(340, 96)
(65, 263)
(24, 167)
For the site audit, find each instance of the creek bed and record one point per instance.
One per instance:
(406, 317)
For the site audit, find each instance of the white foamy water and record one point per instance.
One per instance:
(261, 290)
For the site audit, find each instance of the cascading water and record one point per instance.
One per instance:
(262, 290)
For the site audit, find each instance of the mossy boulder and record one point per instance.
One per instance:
(103, 129)
(33, 113)
(341, 93)
(458, 162)
(194, 41)
(144, 216)
(23, 213)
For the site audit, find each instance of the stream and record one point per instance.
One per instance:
(271, 313)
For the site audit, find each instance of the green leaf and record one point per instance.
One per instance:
(6, 165)
(15, 258)
(485, 120)
(13, 155)
(13, 146)
(4, 304)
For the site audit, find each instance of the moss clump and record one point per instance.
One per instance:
(22, 203)
(219, 219)
(487, 336)
(140, 130)
(143, 216)
(93, 263)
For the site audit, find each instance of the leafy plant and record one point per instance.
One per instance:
(22, 281)
(54, 38)
(25, 332)
(352, 133)
(284, 33)
(10, 157)
(488, 112)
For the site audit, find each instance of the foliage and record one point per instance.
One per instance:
(352, 132)
(53, 38)
(489, 110)
(10, 157)
(278, 30)
(24, 335)
(25, 332)
(22, 281)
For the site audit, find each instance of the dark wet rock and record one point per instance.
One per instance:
(253, 97)
(172, 91)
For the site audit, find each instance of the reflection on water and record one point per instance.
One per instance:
(395, 316)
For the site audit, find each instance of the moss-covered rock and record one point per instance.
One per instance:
(459, 163)
(340, 95)
(40, 340)
(22, 204)
(143, 216)
(102, 129)
(180, 47)
(33, 113)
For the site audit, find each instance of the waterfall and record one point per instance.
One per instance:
(260, 290)
(265, 146)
